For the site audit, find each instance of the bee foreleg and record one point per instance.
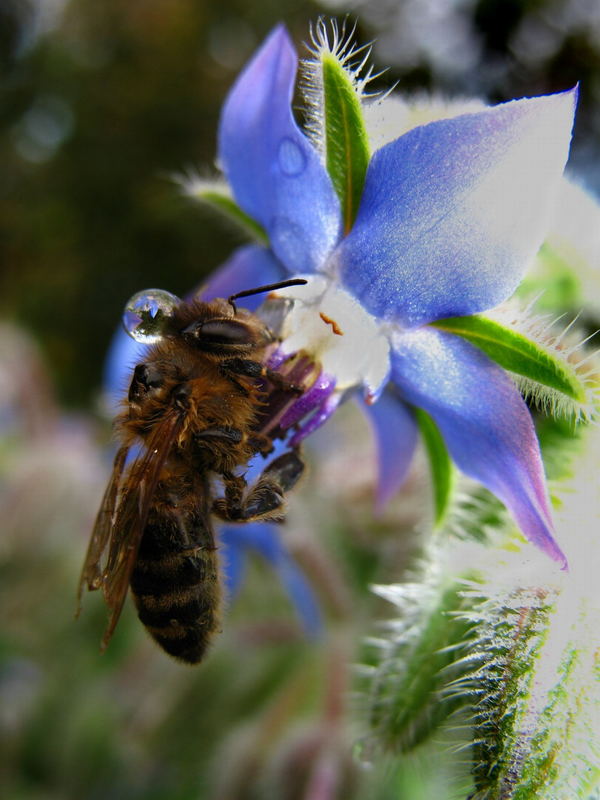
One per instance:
(233, 368)
(266, 499)
(254, 369)
(261, 443)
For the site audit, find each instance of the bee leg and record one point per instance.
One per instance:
(233, 435)
(230, 507)
(286, 470)
(254, 369)
(281, 382)
(261, 443)
(266, 499)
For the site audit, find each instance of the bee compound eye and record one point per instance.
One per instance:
(147, 314)
(220, 332)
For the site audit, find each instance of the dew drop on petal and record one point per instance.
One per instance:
(291, 158)
(146, 313)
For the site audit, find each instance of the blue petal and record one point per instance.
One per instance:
(396, 436)
(452, 211)
(484, 421)
(301, 594)
(276, 174)
(247, 268)
(265, 539)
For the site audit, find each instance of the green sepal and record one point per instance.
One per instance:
(442, 471)
(226, 205)
(516, 353)
(346, 141)
(533, 728)
(408, 699)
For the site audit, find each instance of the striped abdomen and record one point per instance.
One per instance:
(175, 581)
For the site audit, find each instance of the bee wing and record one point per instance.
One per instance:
(91, 573)
(132, 514)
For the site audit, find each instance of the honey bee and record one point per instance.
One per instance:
(192, 412)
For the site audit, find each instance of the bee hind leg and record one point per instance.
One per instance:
(265, 500)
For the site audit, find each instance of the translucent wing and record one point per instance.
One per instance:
(91, 573)
(122, 518)
(132, 515)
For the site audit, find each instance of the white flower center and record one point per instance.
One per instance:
(335, 330)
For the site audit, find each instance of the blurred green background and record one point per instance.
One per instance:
(102, 102)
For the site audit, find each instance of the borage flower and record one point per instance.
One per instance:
(437, 225)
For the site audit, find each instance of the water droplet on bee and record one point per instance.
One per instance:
(147, 312)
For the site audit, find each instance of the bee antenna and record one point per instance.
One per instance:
(270, 287)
